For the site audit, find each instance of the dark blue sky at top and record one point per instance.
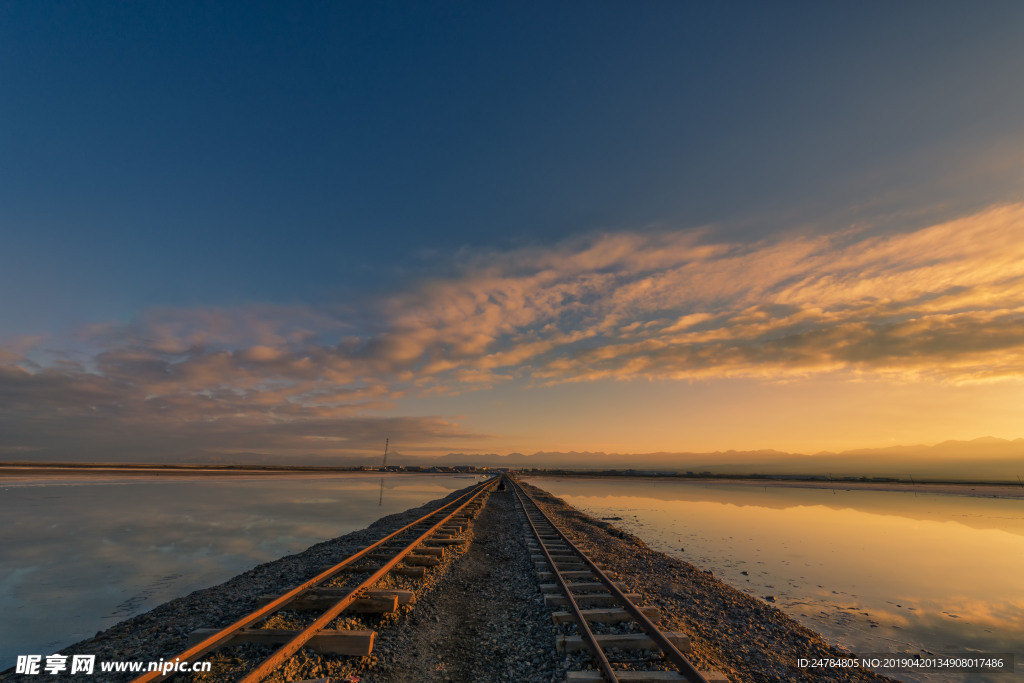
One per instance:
(176, 153)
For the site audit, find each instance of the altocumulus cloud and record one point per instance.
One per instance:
(945, 302)
(942, 301)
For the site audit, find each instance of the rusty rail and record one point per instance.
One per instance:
(263, 669)
(670, 651)
(595, 650)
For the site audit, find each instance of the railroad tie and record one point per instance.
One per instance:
(594, 598)
(642, 676)
(574, 566)
(574, 574)
(352, 643)
(588, 599)
(623, 641)
(373, 601)
(374, 605)
(411, 572)
(580, 586)
(437, 552)
(317, 594)
(606, 616)
(445, 541)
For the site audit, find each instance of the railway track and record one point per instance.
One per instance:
(347, 587)
(608, 622)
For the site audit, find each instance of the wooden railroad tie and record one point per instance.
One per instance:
(404, 597)
(589, 599)
(606, 616)
(580, 586)
(391, 551)
(641, 676)
(411, 572)
(561, 560)
(437, 552)
(574, 574)
(352, 643)
(372, 602)
(445, 541)
(418, 552)
(567, 566)
(623, 641)
(380, 605)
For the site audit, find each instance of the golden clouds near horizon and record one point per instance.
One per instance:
(942, 303)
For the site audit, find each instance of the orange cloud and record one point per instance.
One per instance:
(944, 301)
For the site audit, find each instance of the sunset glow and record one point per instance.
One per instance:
(457, 276)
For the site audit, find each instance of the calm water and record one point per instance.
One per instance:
(80, 553)
(874, 571)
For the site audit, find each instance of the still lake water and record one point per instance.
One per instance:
(873, 571)
(79, 553)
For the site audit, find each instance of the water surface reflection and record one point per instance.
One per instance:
(78, 553)
(875, 571)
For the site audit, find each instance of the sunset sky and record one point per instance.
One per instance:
(300, 228)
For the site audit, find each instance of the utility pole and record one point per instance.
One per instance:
(386, 440)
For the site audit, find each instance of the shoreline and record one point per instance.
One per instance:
(979, 489)
(15, 471)
(453, 633)
(162, 631)
(972, 489)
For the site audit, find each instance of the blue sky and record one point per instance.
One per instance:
(316, 181)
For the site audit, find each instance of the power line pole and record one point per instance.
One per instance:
(386, 440)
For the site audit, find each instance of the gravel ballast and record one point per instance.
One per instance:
(479, 616)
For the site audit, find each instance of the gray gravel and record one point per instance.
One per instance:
(480, 616)
(488, 624)
(163, 631)
(731, 632)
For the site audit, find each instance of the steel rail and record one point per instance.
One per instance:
(682, 664)
(595, 650)
(220, 638)
(267, 666)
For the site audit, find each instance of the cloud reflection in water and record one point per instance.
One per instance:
(78, 554)
(875, 571)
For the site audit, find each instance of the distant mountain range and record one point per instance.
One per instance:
(986, 458)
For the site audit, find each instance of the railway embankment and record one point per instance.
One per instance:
(479, 614)
(731, 632)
